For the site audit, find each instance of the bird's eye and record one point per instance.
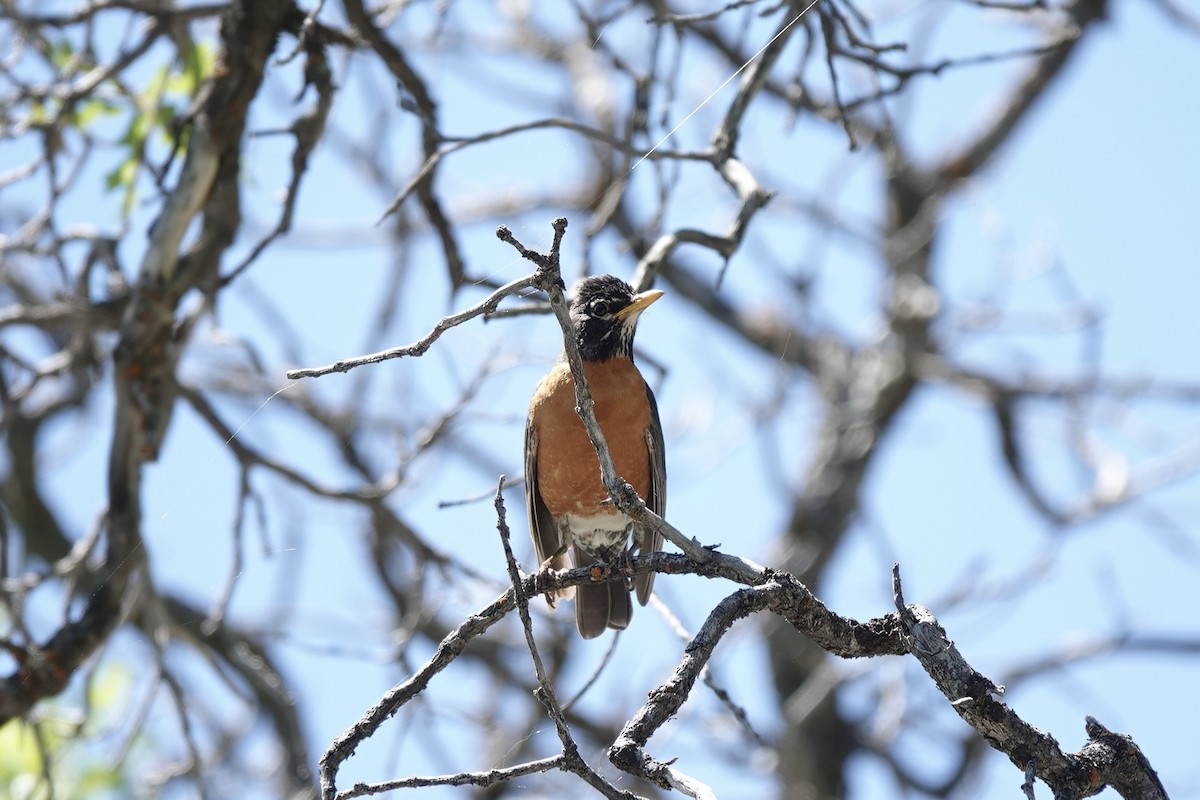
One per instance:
(599, 309)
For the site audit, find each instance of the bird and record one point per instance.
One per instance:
(571, 517)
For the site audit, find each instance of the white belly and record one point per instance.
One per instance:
(599, 534)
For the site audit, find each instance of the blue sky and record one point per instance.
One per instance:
(1093, 203)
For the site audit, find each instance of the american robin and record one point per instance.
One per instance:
(569, 508)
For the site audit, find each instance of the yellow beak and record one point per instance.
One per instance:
(639, 303)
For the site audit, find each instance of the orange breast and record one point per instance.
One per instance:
(568, 469)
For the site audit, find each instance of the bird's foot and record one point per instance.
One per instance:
(545, 583)
(624, 564)
(545, 580)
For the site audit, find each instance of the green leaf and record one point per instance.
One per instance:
(37, 113)
(93, 108)
(19, 750)
(124, 174)
(61, 52)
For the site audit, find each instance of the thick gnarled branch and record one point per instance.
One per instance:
(1108, 759)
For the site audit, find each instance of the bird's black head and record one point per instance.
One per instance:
(605, 313)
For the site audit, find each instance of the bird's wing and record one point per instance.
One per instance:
(656, 498)
(542, 527)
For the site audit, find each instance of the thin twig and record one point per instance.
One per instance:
(572, 760)
(419, 347)
(491, 777)
(1027, 786)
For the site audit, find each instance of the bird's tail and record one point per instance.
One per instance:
(600, 605)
